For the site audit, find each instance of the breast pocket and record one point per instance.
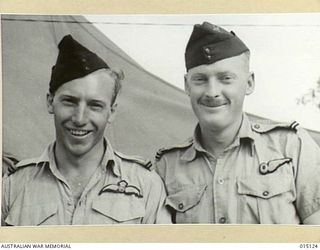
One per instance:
(118, 208)
(266, 199)
(184, 203)
(35, 215)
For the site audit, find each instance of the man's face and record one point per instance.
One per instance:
(217, 91)
(82, 108)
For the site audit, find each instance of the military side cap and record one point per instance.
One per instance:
(209, 43)
(74, 61)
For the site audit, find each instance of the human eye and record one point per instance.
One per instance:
(198, 79)
(227, 77)
(68, 101)
(96, 106)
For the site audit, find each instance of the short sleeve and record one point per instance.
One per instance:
(160, 167)
(307, 175)
(156, 212)
(5, 199)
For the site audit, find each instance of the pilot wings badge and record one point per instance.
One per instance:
(272, 165)
(122, 187)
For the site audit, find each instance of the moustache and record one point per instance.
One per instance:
(212, 102)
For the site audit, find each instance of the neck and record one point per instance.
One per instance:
(69, 163)
(214, 140)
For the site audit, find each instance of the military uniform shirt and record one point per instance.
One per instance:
(269, 174)
(121, 190)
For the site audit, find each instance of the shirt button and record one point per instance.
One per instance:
(207, 50)
(220, 181)
(257, 126)
(222, 220)
(265, 193)
(180, 206)
(69, 203)
(86, 68)
(263, 168)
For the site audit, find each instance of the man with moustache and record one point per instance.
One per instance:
(80, 179)
(234, 170)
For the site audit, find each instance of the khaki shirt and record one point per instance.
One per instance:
(269, 174)
(121, 190)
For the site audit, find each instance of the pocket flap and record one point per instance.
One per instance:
(30, 215)
(120, 207)
(186, 197)
(264, 186)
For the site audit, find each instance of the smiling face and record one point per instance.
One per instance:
(82, 108)
(217, 91)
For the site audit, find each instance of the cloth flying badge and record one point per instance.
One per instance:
(122, 187)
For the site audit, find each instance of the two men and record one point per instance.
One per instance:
(80, 179)
(233, 170)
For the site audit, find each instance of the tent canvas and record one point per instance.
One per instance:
(151, 113)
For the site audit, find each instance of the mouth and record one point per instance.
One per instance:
(79, 132)
(213, 103)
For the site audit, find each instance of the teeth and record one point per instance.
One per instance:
(213, 104)
(79, 132)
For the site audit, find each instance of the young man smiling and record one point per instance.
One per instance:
(234, 170)
(80, 179)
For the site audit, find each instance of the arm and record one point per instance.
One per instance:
(4, 200)
(8, 163)
(313, 219)
(307, 179)
(156, 212)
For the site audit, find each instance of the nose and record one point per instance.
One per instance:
(213, 88)
(80, 117)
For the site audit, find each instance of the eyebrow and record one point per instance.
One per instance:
(68, 97)
(95, 101)
(77, 99)
(226, 73)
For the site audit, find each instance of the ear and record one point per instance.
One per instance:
(186, 85)
(250, 84)
(112, 112)
(49, 103)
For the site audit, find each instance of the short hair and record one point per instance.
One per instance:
(118, 76)
(246, 55)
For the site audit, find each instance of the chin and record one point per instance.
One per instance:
(78, 150)
(216, 123)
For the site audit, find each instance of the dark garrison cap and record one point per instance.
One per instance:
(74, 61)
(209, 43)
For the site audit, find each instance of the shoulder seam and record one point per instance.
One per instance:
(164, 150)
(26, 162)
(261, 127)
(136, 159)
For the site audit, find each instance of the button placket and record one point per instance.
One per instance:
(220, 206)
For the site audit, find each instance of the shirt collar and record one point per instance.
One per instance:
(195, 147)
(109, 159)
(48, 158)
(245, 132)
